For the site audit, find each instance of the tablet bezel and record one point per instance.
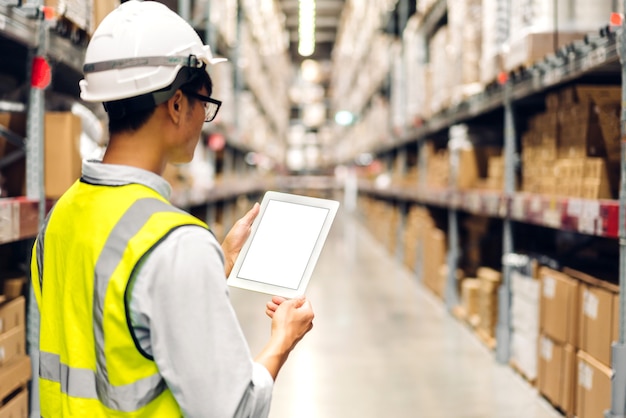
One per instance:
(271, 289)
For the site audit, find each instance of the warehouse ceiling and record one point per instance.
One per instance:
(327, 18)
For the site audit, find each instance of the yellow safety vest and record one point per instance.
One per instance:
(83, 267)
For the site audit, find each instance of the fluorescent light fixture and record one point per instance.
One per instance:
(306, 27)
(344, 118)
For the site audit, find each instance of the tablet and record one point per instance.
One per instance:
(285, 242)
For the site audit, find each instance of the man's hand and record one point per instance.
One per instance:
(236, 237)
(291, 320)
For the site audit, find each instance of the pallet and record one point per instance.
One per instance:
(487, 339)
(518, 370)
(557, 408)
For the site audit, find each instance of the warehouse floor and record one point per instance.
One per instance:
(384, 346)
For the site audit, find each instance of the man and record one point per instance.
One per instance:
(135, 315)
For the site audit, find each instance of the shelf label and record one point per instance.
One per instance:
(492, 205)
(554, 75)
(589, 217)
(473, 202)
(552, 218)
(535, 204)
(574, 208)
(6, 222)
(517, 208)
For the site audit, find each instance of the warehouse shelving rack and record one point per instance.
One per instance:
(601, 53)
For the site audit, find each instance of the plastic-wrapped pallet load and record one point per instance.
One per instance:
(414, 57)
(525, 323)
(494, 36)
(539, 26)
(441, 69)
(465, 23)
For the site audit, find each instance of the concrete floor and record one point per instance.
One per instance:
(384, 346)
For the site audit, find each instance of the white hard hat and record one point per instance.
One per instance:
(139, 48)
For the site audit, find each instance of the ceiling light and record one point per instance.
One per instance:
(344, 118)
(306, 27)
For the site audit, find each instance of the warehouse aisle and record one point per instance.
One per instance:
(383, 346)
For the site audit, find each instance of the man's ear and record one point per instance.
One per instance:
(174, 106)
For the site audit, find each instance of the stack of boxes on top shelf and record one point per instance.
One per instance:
(579, 319)
(572, 149)
(82, 15)
(537, 27)
(483, 38)
(463, 166)
(15, 369)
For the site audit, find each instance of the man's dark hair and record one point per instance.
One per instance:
(136, 111)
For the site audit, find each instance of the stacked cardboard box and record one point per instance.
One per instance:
(559, 304)
(476, 229)
(598, 319)
(489, 280)
(62, 158)
(573, 148)
(438, 169)
(434, 256)
(15, 371)
(495, 173)
(525, 324)
(417, 222)
(383, 220)
(470, 301)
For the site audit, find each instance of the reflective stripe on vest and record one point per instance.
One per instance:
(86, 383)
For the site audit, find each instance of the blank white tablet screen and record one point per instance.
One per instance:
(283, 243)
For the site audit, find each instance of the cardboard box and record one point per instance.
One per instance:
(14, 174)
(63, 163)
(12, 344)
(16, 407)
(470, 295)
(598, 321)
(100, 9)
(533, 47)
(556, 373)
(559, 306)
(14, 374)
(12, 314)
(594, 387)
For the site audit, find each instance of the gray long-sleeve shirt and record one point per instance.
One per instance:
(182, 316)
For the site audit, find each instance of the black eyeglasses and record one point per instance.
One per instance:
(211, 106)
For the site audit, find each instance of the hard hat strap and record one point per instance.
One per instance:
(188, 61)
